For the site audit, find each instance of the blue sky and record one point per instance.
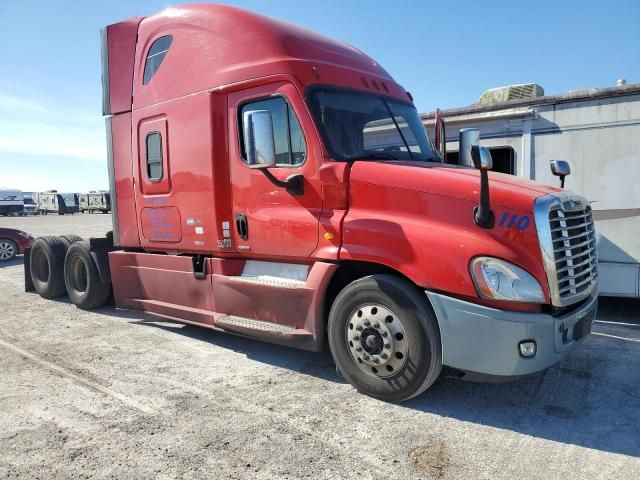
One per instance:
(445, 53)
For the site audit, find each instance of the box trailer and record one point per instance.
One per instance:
(597, 131)
(251, 195)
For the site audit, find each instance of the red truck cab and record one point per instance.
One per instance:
(271, 182)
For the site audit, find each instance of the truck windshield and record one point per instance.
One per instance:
(363, 126)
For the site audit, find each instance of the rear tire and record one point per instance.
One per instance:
(8, 249)
(82, 279)
(384, 338)
(47, 266)
(70, 239)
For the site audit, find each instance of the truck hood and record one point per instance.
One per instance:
(451, 181)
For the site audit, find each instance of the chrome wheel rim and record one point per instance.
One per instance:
(7, 250)
(376, 340)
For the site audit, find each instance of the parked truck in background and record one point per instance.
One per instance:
(30, 207)
(251, 194)
(11, 202)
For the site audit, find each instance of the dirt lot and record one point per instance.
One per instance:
(118, 394)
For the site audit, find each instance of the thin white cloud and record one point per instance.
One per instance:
(31, 126)
(28, 181)
(24, 138)
(13, 103)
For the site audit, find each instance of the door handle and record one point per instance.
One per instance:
(242, 226)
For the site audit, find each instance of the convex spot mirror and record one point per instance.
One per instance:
(560, 168)
(468, 138)
(481, 157)
(258, 139)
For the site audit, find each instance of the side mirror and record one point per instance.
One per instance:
(481, 157)
(483, 216)
(560, 168)
(468, 138)
(258, 139)
(441, 136)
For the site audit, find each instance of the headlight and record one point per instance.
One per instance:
(497, 279)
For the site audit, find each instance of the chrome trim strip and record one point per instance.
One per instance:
(542, 207)
(112, 183)
(104, 55)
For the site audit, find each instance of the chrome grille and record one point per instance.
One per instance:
(568, 245)
(574, 248)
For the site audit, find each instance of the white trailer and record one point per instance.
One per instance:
(94, 202)
(597, 131)
(54, 202)
(11, 202)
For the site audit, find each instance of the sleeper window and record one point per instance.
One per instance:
(154, 156)
(287, 134)
(155, 56)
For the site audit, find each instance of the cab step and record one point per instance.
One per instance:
(238, 324)
(278, 282)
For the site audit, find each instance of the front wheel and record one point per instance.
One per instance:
(384, 338)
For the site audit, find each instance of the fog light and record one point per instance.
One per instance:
(527, 348)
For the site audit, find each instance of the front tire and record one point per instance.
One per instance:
(384, 338)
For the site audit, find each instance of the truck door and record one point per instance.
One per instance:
(269, 221)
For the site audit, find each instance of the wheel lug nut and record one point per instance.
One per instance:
(384, 356)
(358, 349)
(385, 334)
(359, 328)
(367, 323)
(356, 337)
(376, 360)
(376, 325)
(386, 345)
(366, 357)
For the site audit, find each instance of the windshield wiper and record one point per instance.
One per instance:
(404, 140)
(371, 156)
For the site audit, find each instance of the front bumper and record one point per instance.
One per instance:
(484, 341)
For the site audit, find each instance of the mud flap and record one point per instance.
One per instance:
(28, 282)
(100, 248)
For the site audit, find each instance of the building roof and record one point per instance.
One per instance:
(572, 96)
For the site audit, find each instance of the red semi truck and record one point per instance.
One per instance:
(271, 182)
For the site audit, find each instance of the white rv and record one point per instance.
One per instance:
(11, 202)
(94, 202)
(54, 202)
(597, 131)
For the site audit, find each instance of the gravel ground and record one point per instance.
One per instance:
(119, 394)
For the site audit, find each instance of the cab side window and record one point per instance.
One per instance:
(154, 156)
(288, 138)
(155, 56)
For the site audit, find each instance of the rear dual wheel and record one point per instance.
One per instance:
(384, 338)
(64, 264)
(47, 266)
(82, 279)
